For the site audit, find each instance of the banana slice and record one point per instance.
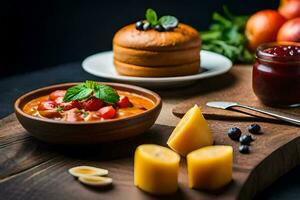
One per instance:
(96, 181)
(87, 171)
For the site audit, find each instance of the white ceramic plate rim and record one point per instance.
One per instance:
(226, 66)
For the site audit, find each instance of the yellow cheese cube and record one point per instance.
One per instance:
(191, 133)
(210, 167)
(156, 169)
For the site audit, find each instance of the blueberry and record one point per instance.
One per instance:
(234, 133)
(254, 128)
(147, 26)
(159, 28)
(139, 25)
(244, 149)
(246, 139)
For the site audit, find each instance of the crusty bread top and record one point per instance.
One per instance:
(182, 37)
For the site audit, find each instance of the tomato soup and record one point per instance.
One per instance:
(54, 107)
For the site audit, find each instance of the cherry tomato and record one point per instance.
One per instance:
(58, 93)
(124, 102)
(70, 105)
(107, 112)
(46, 105)
(92, 104)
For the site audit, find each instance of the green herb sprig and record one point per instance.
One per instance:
(167, 22)
(226, 36)
(84, 91)
(83, 112)
(59, 109)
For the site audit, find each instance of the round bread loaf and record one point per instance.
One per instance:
(176, 52)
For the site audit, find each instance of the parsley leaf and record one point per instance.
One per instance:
(85, 114)
(59, 109)
(226, 36)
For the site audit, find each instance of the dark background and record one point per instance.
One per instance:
(43, 33)
(40, 34)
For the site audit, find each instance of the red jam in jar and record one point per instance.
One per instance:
(276, 74)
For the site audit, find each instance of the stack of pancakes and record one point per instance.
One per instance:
(157, 54)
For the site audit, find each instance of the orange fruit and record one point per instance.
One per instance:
(290, 31)
(262, 27)
(290, 9)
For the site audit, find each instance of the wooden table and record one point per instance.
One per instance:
(30, 169)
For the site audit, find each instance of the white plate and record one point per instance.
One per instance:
(101, 65)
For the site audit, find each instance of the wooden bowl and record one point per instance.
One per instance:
(61, 132)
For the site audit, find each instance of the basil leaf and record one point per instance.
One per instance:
(77, 92)
(151, 16)
(90, 84)
(168, 22)
(84, 90)
(106, 94)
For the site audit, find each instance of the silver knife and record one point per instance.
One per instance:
(294, 119)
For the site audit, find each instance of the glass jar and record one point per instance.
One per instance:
(276, 75)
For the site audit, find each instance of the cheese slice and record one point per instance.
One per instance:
(156, 169)
(210, 167)
(191, 133)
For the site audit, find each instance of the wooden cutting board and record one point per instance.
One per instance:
(30, 169)
(273, 153)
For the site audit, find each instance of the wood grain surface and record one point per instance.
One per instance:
(273, 153)
(30, 169)
(235, 86)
